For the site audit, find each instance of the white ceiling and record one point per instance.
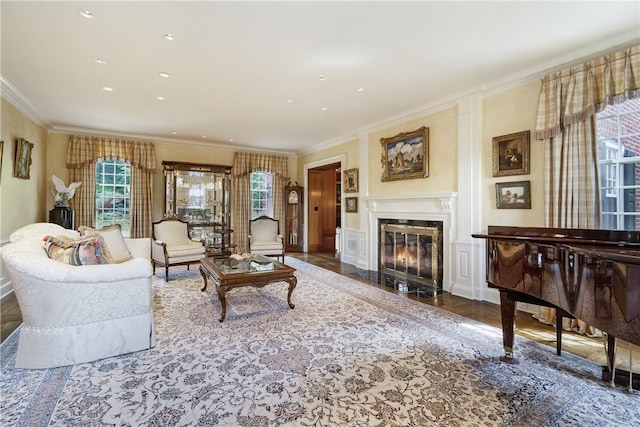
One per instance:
(234, 65)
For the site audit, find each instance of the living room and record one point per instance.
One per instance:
(460, 189)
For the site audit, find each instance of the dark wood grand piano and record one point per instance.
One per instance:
(592, 275)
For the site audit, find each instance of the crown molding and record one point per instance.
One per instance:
(592, 51)
(622, 41)
(162, 140)
(18, 100)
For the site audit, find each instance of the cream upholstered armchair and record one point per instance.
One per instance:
(265, 238)
(172, 245)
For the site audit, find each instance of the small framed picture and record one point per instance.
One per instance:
(351, 180)
(22, 165)
(511, 154)
(513, 195)
(352, 204)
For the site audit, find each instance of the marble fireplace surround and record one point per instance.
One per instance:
(430, 207)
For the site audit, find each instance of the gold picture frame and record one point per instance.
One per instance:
(351, 180)
(22, 164)
(406, 155)
(511, 154)
(513, 195)
(352, 204)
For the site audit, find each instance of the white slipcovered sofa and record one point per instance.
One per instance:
(75, 314)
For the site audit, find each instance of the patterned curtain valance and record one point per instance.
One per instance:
(87, 149)
(245, 163)
(574, 94)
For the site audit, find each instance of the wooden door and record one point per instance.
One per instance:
(315, 204)
(322, 210)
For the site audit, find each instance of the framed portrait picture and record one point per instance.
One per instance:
(511, 154)
(22, 165)
(406, 155)
(351, 180)
(513, 195)
(352, 204)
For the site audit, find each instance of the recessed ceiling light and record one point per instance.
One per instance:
(174, 133)
(100, 61)
(360, 89)
(160, 98)
(204, 136)
(169, 36)
(85, 13)
(289, 101)
(165, 75)
(324, 108)
(107, 88)
(231, 140)
(322, 77)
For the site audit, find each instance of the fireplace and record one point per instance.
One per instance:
(410, 255)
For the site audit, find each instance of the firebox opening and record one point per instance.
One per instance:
(410, 256)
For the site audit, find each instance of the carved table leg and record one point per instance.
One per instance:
(204, 277)
(292, 285)
(507, 309)
(222, 291)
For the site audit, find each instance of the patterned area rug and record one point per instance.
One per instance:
(348, 355)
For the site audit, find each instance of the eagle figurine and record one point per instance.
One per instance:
(63, 193)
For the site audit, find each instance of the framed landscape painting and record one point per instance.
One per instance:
(513, 195)
(406, 155)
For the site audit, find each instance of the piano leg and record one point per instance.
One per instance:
(610, 350)
(508, 310)
(614, 375)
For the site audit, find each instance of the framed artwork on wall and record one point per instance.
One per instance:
(513, 195)
(352, 204)
(351, 180)
(22, 165)
(406, 155)
(511, 154)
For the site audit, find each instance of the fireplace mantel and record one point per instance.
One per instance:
(431, 206)
(433, 203)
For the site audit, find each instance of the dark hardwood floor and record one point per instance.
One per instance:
(482, 311)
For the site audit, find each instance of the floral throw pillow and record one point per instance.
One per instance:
(86, 251)
(115, 249)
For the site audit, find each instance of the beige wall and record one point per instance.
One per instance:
(22, 201)
(509, 112)
(443, 155)
(25, 201)
(443, 163)
(349, 149)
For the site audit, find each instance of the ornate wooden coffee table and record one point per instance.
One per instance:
(259, 271)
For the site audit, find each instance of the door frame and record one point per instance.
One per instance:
(342, 159)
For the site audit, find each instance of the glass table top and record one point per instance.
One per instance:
(237, 265)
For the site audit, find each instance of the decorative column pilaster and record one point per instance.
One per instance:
(469, 268)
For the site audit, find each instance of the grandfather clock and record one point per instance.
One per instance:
(293, 216)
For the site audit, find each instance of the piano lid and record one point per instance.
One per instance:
(569, 236)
